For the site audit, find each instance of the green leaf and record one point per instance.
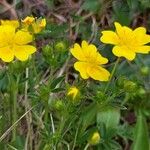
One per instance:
(93, 5)
(141, 139)
(88, 116)
(56, 82)
(110, 117)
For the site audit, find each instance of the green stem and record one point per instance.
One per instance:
(87, 146)
(13, 98)
(112, 74)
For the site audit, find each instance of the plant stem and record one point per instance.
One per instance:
(112, 74)
(86, 147)
(13, 98)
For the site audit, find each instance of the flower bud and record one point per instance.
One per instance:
(141, 91)
(73, 92)
(144, 70)
(60, 46)
(130, 86)
(95, 138)
(47, 50)
(120, 81)
(59, 105)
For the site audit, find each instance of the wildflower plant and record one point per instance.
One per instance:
(64, 82)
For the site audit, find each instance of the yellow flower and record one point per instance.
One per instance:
(28, 20)
(127, 42)
(15, 44)
(89, 62)
(73, 92)
(37, 25)
(42, 23)
(95, 138)
(14, 23)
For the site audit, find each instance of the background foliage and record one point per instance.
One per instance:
(40, 85)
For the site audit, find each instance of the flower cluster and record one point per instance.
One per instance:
(15, 38)
(127, 43)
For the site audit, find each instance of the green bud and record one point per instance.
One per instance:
(60, 46)
(120, 81)
(129, 86)
(47, 50)
(144, 70)
(59, 105)
(141, 91)
(101, 96)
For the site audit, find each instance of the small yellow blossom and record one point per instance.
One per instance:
(42, 23)
(14, 23)
(95, 138)
(89, 62)
(28, 20)
(15, 44)
(127, 42)
(73, 92)
(37, 25)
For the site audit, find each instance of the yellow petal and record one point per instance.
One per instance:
(141, 37)
(143, 49)
(23, 37)
(122, 51)
(82, 68)
(14, 23)
(123, 31)
(98, 73)
(28, 20)
(118, 27)
(36, 27)
(23, 52)
(42, 23)
(101, 60)
(109, 37)
(6, 35)
(139, 31)
(6, 54)
(77, 52)
(84, 44)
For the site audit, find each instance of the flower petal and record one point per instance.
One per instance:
(123, 51)
(6, 34)
(109, 37)
(141, 37)
(123, 31)
(23, 37)
(143, 49)
(98, 73)
(118, 27)
(101, 60)
(77, 52)
(14, 23)
(84, 44)
(6, 54)
(82, 68)
(23, 52)
(139, 31)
